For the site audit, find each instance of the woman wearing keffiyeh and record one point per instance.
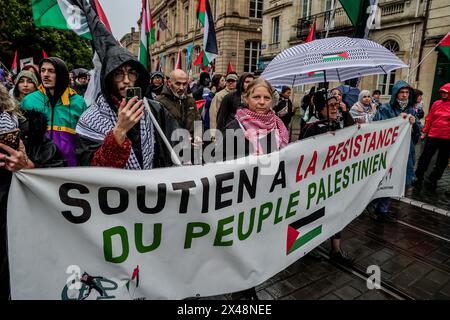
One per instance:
(257, 124)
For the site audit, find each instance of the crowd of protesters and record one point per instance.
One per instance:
(58, 129)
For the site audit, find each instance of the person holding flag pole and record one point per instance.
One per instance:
(109, 132)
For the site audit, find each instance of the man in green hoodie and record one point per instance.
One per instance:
(61, 104)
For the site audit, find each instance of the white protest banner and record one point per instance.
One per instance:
(98, 233)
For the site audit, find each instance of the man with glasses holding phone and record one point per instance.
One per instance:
(117, 130)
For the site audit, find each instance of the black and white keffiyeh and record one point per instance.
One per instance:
(8, 122)
(99, 119)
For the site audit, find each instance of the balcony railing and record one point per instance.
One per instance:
(341, 22)
(392, 9)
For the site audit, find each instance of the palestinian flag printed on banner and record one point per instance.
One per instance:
(335, 56)
(134, 279)
(296, 240)
(315, 74)
(60, 14)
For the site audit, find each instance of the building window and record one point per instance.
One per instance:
(215, 9)
(256, 9)
(306, 8)
(276, 30)
(386, 81)
(252, 54)
(186, 18)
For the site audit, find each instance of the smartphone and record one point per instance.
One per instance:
(133, 92)
(10, 138)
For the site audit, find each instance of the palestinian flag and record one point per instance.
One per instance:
(315, 74)
(14, 64)
(205, 17)
(202, 61)
(335, 56)
(295, 240)
(358, 12)
(101, 14)
(147, 33)
(444, 46)
(230, 68)
(60, 14)
(134, 279)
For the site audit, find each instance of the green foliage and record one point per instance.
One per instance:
(17, 31)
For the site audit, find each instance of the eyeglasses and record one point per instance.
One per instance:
(119, 75)
(334, 105)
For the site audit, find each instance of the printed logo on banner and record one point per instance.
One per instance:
(98, 287)
(386, 184)
(295, 240)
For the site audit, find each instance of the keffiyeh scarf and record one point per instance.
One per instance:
(99, 119)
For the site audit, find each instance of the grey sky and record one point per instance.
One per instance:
(122, 15)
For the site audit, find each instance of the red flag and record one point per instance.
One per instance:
(178, 64)
(102, 15)
(44, 54)
(14, 65)
(199, 59)
(312, 32)
(230, 68)
(444, 46)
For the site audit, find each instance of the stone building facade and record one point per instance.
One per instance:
(409, 28)
(131, 41)
(238, 25)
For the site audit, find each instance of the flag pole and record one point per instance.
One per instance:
(5, 67)
(173, 155)
(193, 37)
(410, 72)
(331, 18)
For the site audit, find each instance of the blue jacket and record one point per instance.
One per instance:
(391, 110)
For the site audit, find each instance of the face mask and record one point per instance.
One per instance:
(403, 104)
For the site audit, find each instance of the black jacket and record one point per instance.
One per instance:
(241, 147)
(231, 103)
(39, 148)
(284, 102)
(323, 126)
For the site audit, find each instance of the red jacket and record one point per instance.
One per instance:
(437, 123)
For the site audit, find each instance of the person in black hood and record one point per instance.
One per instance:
(233, 101)
(118, 133)
(156, 85)
(81, 81)
(201, 90)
